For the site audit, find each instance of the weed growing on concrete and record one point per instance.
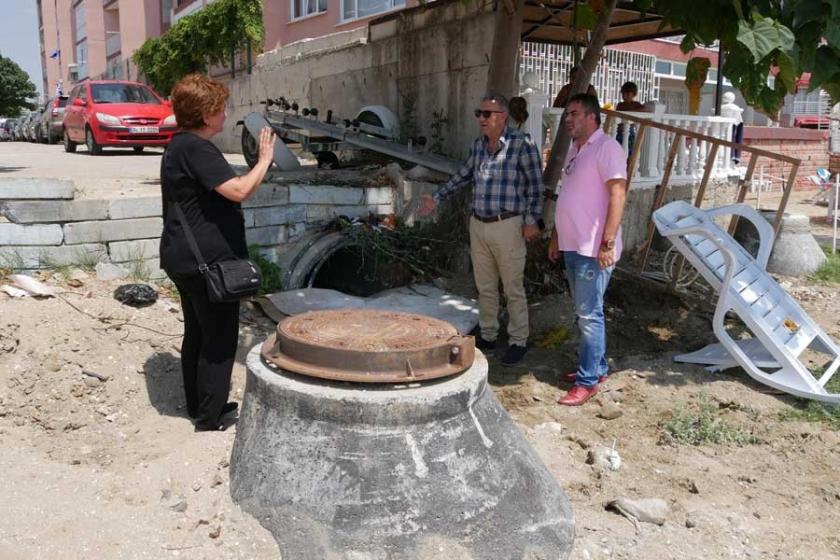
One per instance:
(439, 122)
(829, 272)
(272, 279)
(137, 267)
(11, 261)
(86, 259)
(408, 118)
(703, 425)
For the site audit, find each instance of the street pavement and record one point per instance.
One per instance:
(116, 173)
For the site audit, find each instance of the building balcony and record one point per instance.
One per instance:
(113, 45)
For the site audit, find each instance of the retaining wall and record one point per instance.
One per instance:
(417, 64)
(44, 226)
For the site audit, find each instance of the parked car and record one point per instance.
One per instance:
(23, 127)
(102, 113)
(51, 129)
(7, 127)
(33, 125)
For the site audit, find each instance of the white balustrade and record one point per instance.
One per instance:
(690, 162)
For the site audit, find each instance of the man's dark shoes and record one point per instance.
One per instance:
(485, 345)
(514, 355)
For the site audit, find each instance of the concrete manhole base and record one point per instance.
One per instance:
(360, 472)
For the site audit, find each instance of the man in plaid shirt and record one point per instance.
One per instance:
(504, 164)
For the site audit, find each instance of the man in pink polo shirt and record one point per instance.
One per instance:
(588, 230)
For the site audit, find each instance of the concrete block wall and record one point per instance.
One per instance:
(52, 230)
(416, 64)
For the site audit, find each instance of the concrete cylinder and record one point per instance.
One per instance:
(795, 251)
(340, 471)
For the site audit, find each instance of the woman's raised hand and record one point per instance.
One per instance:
(267, 140)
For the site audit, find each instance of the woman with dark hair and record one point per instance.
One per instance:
(199, 186)
(518, 111)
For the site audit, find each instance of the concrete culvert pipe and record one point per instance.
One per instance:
(426, 471)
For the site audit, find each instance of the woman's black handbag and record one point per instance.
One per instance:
(227, 281)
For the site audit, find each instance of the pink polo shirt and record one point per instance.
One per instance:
(583, 199)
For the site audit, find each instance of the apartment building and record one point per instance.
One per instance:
(90, 38)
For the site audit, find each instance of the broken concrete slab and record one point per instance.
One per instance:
(17, 234)
(35, 189)
(326, 194)
(268, 194)
(278, 215)
(51, 211)
(126, 208)
(125, 251)
(112, 230)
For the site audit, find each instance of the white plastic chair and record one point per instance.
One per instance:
(781, 329)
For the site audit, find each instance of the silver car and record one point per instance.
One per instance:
(50, 129)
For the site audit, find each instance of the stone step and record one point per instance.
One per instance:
(35, 189)
(51, 211)
(17, 234)
(112, 230)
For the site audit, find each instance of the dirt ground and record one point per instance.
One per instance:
(100, 461)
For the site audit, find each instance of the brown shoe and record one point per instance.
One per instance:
(578, 395)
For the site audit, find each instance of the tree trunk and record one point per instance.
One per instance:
(501, 77)
(580, 85)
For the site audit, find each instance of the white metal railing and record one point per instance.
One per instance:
(551, 64)
(691, 159)
(113, 44)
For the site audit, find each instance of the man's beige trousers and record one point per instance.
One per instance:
(498, 251)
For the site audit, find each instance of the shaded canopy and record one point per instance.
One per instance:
(550, 21)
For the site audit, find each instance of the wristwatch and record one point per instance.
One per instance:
(608, 244)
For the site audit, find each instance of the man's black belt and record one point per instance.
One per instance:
(496, 218)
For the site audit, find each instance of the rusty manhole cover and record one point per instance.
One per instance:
(369, 345)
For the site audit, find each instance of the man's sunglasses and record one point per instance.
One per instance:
(486, 114)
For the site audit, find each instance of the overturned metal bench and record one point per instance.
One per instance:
(781, 329)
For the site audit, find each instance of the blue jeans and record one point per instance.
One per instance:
(588, 283)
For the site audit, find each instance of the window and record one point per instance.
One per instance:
(79, 20)
(123, 93)
(353, 9)
(303, 8)
(82, 58)
(663, 67)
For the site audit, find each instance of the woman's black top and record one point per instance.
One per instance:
(190, 170)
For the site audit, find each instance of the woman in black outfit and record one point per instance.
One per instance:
(195, 175)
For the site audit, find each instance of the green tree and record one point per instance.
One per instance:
(200, 40)
(760, 38)
(15, 88)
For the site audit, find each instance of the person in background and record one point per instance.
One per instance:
(518, 112)
(195, 175)
(566, 91)
(505, 167)
(587, 230)
(628, 104)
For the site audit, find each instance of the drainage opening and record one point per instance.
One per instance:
(356, 271)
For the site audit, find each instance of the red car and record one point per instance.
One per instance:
(115, 113)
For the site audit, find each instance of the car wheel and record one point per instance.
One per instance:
(250, 148)
(93, 148)
(138, 149)
(69, 145)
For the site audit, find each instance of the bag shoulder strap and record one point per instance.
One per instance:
(202, 266)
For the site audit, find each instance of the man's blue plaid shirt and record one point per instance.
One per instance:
(509, 180)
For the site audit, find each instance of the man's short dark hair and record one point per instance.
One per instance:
(496, 98)
(589, 103)
(630, 87)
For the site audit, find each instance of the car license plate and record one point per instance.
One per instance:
(143, 130)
